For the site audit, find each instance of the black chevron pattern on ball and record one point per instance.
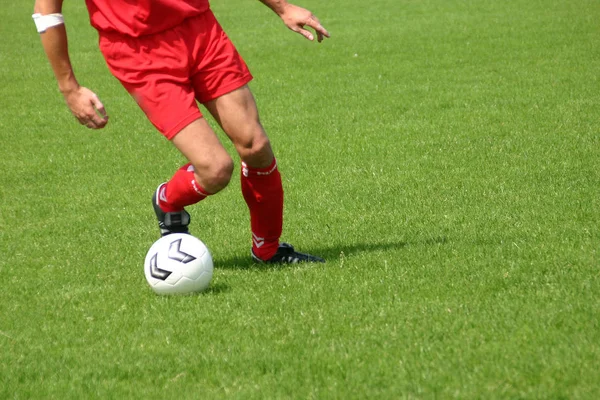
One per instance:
(175, 253)
(156, 272)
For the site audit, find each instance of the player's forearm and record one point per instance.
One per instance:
(54, 41)
(276, 5)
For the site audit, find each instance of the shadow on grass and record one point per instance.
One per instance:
(331, 254)
(216, 289)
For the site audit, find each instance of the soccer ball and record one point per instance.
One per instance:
(178, 263)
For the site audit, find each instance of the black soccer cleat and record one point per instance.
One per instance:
(287, 255)
(170, 222)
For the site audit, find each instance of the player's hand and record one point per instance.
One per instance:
(86, 107)
(297, 19)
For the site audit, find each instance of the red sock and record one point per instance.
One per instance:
(263, 193)
(182, 190)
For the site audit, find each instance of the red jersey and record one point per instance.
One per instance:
(142, 17)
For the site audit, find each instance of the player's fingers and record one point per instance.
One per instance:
(98, 106)
(306, 34)
(103, 123)
(314, 23)
(99, 118)
(86, 120)
(92, 120)
(100, 123)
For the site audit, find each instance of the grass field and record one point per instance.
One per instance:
(444, 156)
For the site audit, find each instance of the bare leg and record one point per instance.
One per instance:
(201, 146)
(237, 114)
(261, 182)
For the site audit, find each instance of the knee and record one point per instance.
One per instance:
(215, 177)
(255, 146)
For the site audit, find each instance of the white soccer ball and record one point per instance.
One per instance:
(178, 263)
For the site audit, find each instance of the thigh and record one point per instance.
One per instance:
(218, 68)
(237, 114)
(155, 73)
(201, 146)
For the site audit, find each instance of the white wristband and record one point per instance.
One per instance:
(43, 22)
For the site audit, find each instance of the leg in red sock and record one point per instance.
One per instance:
(208, 172)
(263, 193)
(237, 114)
(182, 190)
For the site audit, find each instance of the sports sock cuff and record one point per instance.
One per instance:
(247, 170)
(199, 189)
(181, 190)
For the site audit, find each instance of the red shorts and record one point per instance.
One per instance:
(168, 71)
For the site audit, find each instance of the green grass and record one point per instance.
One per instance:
(444, 156)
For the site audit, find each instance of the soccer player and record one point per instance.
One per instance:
(169, 55)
